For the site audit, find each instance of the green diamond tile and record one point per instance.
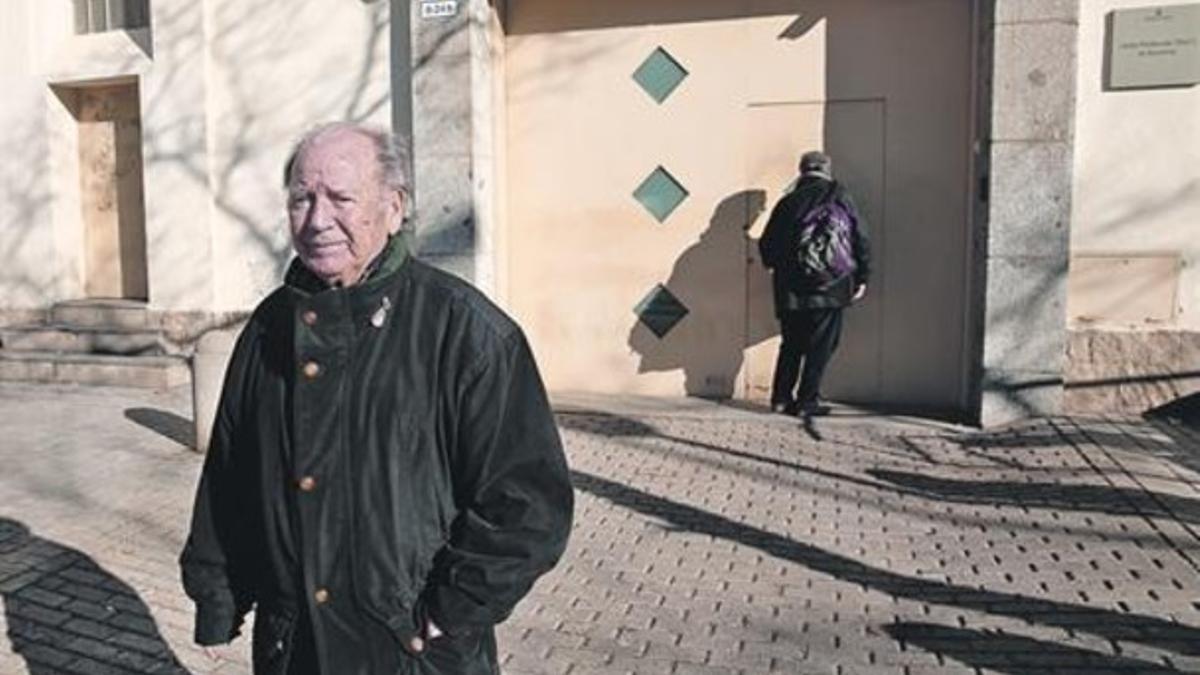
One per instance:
(659, 74)
(660, 310)
(660, 193)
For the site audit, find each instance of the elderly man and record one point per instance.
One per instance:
(385, 480)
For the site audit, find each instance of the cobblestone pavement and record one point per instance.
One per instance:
(708, 539)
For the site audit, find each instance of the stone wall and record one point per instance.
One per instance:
(1129, 371)
(180, 329)
(1022, 298)
(452, 120)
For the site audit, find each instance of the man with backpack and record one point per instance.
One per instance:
(817, 248)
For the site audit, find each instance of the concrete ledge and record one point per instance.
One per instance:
(154, 372)
(24, 317)
(1129, 372)
(122, 314)
(95, 341)
(181, 329)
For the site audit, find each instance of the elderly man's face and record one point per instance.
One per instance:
(339, 210)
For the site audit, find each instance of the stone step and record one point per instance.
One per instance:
(101, 314)
(157, 372)
(125, 342)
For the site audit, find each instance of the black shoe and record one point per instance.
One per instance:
(783, 407)
(814, 408)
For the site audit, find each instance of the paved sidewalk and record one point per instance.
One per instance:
(708, 539)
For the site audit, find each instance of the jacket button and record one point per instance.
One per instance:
(312, 369)
(321, 596)
(309, 317)
(307, 484)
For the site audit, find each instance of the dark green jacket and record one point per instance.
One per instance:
(380, 453)
(777, 249)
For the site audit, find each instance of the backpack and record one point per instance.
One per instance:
(825, 245)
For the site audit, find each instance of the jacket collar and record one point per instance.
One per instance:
(359, 301)
(389, 260)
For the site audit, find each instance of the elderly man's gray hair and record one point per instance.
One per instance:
(391, 151)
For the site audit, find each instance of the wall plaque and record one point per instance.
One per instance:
(1155, 47)
(438, 10)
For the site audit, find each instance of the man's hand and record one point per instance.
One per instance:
(859, 292)
(429, 631)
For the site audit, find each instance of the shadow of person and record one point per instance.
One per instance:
(65, 613)
(709, 279)
(175, 427)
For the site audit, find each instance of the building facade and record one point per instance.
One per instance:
(603, 170)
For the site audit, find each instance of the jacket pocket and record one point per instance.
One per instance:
(400, 616)
(468, 653)
(273, 641)
(465, 653)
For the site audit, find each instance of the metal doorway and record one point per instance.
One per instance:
(647, 141)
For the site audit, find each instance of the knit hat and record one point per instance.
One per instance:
(816, 162)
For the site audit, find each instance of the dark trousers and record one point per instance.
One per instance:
(809, 336)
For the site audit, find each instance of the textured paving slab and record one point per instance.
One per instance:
(709, 539)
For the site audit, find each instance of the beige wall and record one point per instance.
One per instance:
(63, 66)
(767, 81)
(175, 130)
(1135, 225)
(225, 87)
(29, 276)
(274, 68)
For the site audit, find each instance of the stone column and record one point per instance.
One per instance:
(1023, 295)
(453, 113)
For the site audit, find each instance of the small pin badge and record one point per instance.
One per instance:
(380, 314)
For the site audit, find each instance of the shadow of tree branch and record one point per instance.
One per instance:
(1149, 630)
(1014, 654)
